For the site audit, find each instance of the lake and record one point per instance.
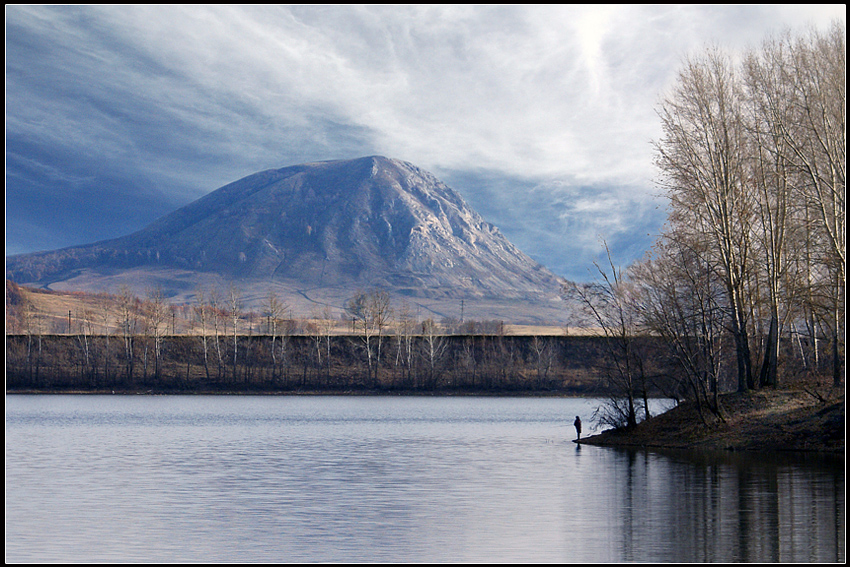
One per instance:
(389, 479)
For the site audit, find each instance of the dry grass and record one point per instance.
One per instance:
(51, 312)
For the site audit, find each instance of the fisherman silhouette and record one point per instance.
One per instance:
(577, 423)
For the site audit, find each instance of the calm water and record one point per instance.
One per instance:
(380, 479)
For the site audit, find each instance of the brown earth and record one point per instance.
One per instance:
(804, 417)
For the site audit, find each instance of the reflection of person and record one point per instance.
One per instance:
(577, 423)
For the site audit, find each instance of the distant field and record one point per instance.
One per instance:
(52, 312)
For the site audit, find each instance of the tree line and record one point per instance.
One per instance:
(128, 343)
(746, 282)
(413, 362)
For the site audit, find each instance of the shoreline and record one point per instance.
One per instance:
(768, 420)
(349, 392)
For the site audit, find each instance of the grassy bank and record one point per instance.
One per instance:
(803, 417)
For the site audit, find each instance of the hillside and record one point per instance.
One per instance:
(316, 233)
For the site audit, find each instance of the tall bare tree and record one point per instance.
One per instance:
(817, 139)
(157, 320)
(702, 159)
(219, 322)
(128, 314)
(770, 109)
(234, 310)
(753, 158)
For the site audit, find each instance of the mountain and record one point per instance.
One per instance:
(335, 226)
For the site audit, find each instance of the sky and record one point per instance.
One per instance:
(541, 116)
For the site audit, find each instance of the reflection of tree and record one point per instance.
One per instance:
(709, 507)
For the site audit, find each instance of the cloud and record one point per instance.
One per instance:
(523, 109)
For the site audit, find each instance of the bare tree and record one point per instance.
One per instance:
(797, 96)
(324, 325)
(219, 322)
(85, 340)
(608, 305)
(544, 351)
(433, 350)
(679, 299)
(371, 312)
(202, 313)
(234, 305)
(106, 317)
(753, 158)
(272, 309)
(128, 313)
(701, 157)
(157, 312)
(770, 110)
(817, 139)
(29, 319)
(405, 328)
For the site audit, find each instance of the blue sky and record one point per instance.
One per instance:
(541, 117)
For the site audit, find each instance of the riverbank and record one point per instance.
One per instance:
(802, 418)
(577, 393)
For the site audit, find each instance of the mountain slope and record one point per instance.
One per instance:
(371, 221)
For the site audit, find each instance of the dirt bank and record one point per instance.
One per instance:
(803, 418)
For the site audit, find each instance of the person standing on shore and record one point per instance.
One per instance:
(577, 423)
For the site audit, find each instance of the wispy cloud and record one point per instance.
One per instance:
(542, 116)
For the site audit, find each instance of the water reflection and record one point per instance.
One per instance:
(256, 479)
(729, 507)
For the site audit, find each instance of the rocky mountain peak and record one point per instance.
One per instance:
(371, 221)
